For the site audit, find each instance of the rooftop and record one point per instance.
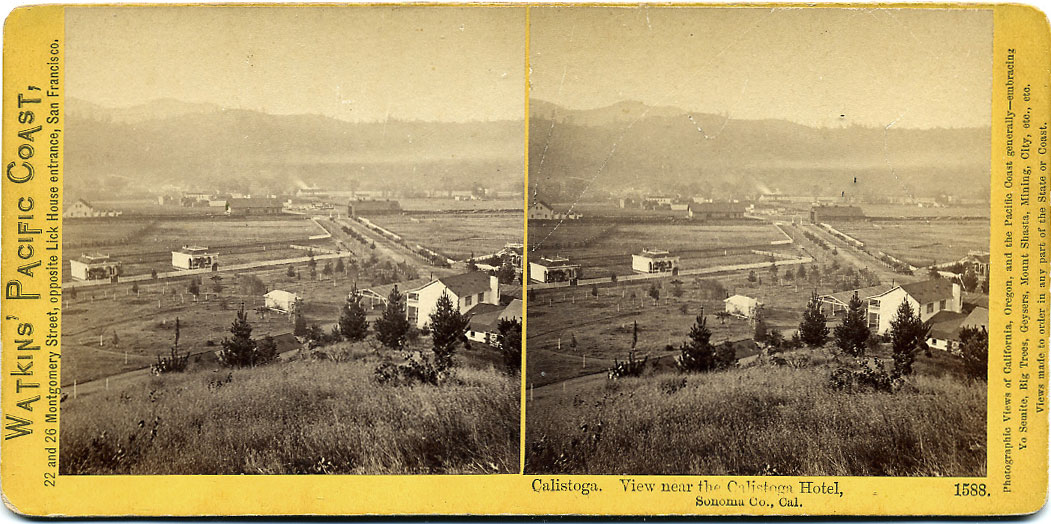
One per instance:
(193, 250)
(655, 253)
(864, 293)
(928, 291)
(468, 283)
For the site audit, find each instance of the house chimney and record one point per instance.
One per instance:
(494, 289)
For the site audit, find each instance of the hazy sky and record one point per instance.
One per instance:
(906, 67)
(359, 63)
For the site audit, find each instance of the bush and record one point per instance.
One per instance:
(415, 370)
(868, 376)
(974, 348)
(631, 367)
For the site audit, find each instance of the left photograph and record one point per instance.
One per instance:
(292, 240)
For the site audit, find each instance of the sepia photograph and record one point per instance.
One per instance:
(758, 241)
(293, 240)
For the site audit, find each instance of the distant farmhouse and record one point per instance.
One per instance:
(82, 209)
(253, 206)
(282, 301)
(466, 291)
(715, 210)
(94, 267)
(742, 306)
(654, 261)
(540, 210)
(821, 214)
(554, 269)
(372, 207)
(194, 257)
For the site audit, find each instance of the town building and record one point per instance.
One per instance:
(715, 211)
(372, 207)
(94, 267)
(282, 301)
(742, 306)
(83, 209)
(828, 213)
(466, 290)
(253, 206)
(485, 320)
(554, 269)
(540, 210)
(833, 304)
(927, 297)
(194, 257)
(654, 261)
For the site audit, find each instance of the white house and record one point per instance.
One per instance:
(466, 291)
(81, 208)
(946, 327)
(654, 261)
(928, 298)
(94, 267)
(553, 269)
(742, 306)
(485, 320)
(833, 304)
(540, 210)
(282, 301)
(194, 257)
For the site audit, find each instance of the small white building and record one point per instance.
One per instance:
(553, 269)
(282, 301)
(654, 261)
(466, 291)
(82, 209)
(194, 257)
(94, 267)
(742, 306)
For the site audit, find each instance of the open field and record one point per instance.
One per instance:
(602, 324)
(603, 249)
(297, 417)
(457, 235)
(145, 244)
(144, 323)
(763, 419)
(921, 243)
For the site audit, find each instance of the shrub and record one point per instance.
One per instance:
(239, 350)
(352, 323)
(392, 327)
(868, 376)
(907, 333)
(510, 344)
(448, 330)
(631, 367)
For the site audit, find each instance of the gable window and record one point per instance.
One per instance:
(467, 301)
(930, 307)
(941, 305)
(481, 297)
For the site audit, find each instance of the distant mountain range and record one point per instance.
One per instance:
(584, 154)
(205, 145)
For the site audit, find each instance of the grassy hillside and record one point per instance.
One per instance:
(297, 417)
(763, 420)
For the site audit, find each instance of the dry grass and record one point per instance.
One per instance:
(760, 420)
(296, 417)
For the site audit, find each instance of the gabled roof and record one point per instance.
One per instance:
(483, 317)
(978, 317)
(469, 283)
(278, 294)
(928, 291)
(82, 201)
(383, 291)
(843, 297)
(945, 325)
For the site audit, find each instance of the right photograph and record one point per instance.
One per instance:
(758, 241)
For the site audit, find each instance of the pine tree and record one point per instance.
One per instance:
(970, 279)
(239, 349)
(266, 351)
(853, 334)
(760, 331)
(340, 267)
(812, 329)
(974, 348)
(352, 323)
(510, 344)
(725, 355)
(299, 325)
(907, 333)
(697, 353)
(448, 330)
(392, 327)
